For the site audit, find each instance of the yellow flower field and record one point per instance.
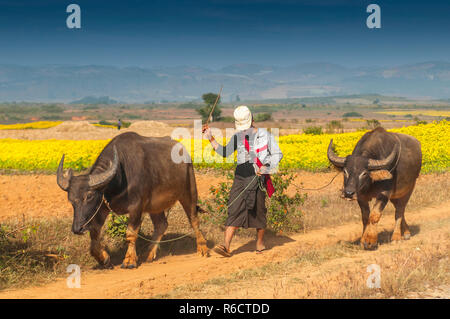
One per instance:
(45, 154)
(104, 126)
(443, 113)
(307, 152)
(32, 125)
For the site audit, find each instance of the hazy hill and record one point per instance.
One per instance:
(94, 100)
(250, 81)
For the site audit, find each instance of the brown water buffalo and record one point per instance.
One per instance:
(132, 175)
(383, 166)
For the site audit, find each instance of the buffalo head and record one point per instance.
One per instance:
(85, 192)
(360, 171)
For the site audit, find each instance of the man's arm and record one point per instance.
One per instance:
(224, 151)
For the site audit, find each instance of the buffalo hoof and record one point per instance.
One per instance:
(203, 250)
(370, 246)
(130, 261)
(107, 263)
(128, 266)
(151, 255)
(406, 236)
(104, 266)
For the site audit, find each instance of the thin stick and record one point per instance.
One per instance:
(214, 106)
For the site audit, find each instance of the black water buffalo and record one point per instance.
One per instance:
(132, 175)
(383, 166)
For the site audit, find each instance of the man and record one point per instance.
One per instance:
(119, 124)
(258, 155)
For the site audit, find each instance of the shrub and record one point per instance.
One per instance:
(371, 124)
(217, 206)
(283, 213)
(313, 130)
(419, 121)
(352, 114)
(51, 117)
(334, 127)
(131, 116)
(189, 105)
(103, 122)
(117, 226)
(52, 108)
(262, 117)
(227, 119)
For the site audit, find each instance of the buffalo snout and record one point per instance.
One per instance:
(78, 228)
(349, 194)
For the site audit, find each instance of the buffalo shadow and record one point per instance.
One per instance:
(384, 236)
(183, 246)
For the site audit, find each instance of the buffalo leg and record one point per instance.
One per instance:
(190, 208)
(134, 223)
(406, 234)
(401, 229)
(160, 225)
(365, 211)
(370, 236)
(96, 249)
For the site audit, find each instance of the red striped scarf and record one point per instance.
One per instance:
(269, 186)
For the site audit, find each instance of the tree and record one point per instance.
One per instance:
(209, 99)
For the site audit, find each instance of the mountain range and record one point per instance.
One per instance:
(65, 83)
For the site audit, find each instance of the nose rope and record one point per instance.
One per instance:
(98, 208)
(316, 189)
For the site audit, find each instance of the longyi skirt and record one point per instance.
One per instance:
(247, 210)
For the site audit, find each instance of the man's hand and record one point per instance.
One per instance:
(207, 131)
(262, 170)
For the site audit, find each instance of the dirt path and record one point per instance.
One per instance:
(170, 272)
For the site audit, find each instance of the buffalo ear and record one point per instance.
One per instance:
(380, 175)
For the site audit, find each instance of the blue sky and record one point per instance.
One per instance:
(217, 33)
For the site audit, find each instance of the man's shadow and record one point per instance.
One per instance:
(271, 240)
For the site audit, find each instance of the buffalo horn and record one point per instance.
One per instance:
(336, 160)
(62, 179)
(383, 163)
(101, 179)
